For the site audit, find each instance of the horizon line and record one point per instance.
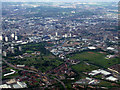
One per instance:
(63, 1)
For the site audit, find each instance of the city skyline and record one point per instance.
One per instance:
(60, 1)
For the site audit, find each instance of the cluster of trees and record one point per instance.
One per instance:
(32, 47)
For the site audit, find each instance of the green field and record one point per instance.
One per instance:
(105, 83)
(82, 67)
(96, 58)
(43, 62)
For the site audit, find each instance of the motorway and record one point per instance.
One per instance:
(17, 68)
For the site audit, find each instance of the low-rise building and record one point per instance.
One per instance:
(111, 78)
(5, 86)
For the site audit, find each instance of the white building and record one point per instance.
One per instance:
(16, 38)
(91, 47)
(66, 35)
(22, 84)
(70, 35)
(56, 34)
(12, 35)
(6, 39)
(4, 53)
(12, 50)
(99, 71)
(111, 78)
(20, 49)
(110, 48)
(1, 38)
(5, 86)
(21, 66)
(110, 56)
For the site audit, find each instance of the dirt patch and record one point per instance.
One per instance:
(91, 52)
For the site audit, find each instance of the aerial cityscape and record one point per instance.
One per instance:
(60, 45)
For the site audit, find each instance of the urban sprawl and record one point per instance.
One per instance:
(60, 45)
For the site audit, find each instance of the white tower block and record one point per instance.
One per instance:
(16, 38)
(12, 35)
(6, 39)
(1, 38)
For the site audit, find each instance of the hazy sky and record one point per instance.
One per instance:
(60, 0)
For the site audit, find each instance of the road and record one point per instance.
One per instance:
(40, 73)
(61, 83)
(16, 67)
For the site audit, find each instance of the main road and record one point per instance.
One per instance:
(17, 67)
(32, 72)
(61, 83)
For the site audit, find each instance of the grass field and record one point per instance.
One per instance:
(82, 67)
(43, 62)
(96, 58)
